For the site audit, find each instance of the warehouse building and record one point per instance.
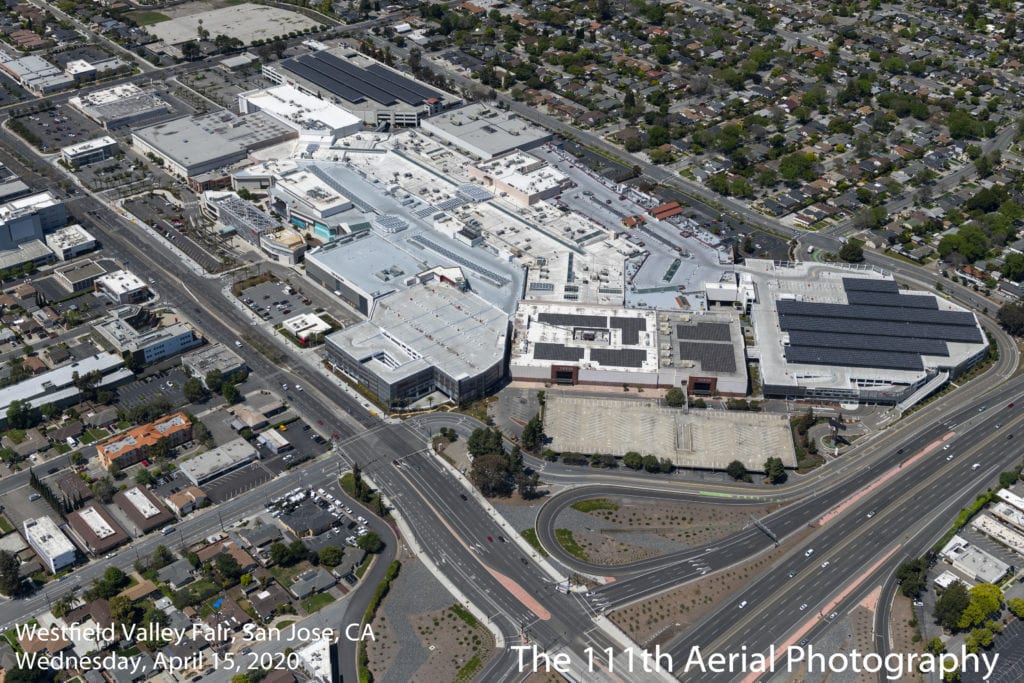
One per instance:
(484, 131)
(51, 545)
(377, 94)
(122, 105)
(37, 75)
(194, 145)
(314, 119)
(220, 460)
(429, 337)
(130, 447)
(835, 333)
(96, 530)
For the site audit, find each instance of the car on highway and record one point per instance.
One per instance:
(490, 539)
(1010, 406)
(871, 514)
(946, 447)
(743, 604)
(804, 642)
(792, 574)
(998, 425)
(803, 607)
(825, 564)
(833, 616)
(810, 551)
(949, 457)
(975, 465)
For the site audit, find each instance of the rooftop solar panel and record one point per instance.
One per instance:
(930, 347)
(570, 320)
(631, 328)
(787, 308)
(328, 82)
(623, 358)
(712, 357)
(858, 358)
(356, 84)
(545, 351)
(863, 284)
(953, 333)
(895, 300)
(407, 84)
(704, 332)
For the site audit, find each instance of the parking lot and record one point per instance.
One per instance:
(120, 173)
(58, 127)
(328, 497)
(268, 299)
(306, 445)
(235, 483)
(223, 87)
(168, 384)
(168, 219)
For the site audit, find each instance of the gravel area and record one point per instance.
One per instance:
(398, 653)
(521, 516)
(850, 631)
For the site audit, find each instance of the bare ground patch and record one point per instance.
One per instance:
(458, 651)
(688, 525)
(659, 619)
(903, 629)
(381, 650)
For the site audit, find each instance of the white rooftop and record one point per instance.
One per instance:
(88, 146)
(305, 112)
(978, 564)
(26, 205)
(202, 466)
(99, 526)
(121, 282)
(308, 188)
(141, 503)
(68, 237)
(45, 534)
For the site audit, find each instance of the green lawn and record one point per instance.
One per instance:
(285, 575)
(531, 537)
(91, 435)
(5, 526)
(148, 17)
(315, 603)
(595, 504)
(16, 435)
(566, 540)
(61, 448)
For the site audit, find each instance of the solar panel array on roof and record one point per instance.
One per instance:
(862, 284)
(881, 313)
(705, 332)
(545, 351)
(623, 358)
(857, 358)
(879, 328)
(570, 320)
(712, 357)
(927, 346)
(356, 84)
(894, 300)
(631, 328)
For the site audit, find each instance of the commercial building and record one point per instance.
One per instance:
(30, 218)
(90, 151)
(248, 220)
(122, 105)
(37, 75)
(70, 242)
(484, 131)
(142, 509)
(563, 343)
(186, 500)
(308, 519)
(851, 334)
(307, 198)
(57, 386)
(521, 177)
(284, 246)
(273, 441)
(11, 186)
(147, 346)
(218, 461)
(51, 545)
(975, 563)
(306, 326)
(372, 91)
(430, 337)
(96, 530)
(212, 357)
(193, 145)
(122, 287)
(130, 447)
(313, 118)
(80, 275)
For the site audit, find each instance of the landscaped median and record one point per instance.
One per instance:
(362, 660)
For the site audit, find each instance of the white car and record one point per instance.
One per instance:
(298, 387)
(743, 604)
(825, 564)
(810, 551)
(946, 447)
(975, 465)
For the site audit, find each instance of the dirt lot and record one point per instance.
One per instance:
(453, 645)
(614, 542)
(900, 627)
(658, 619)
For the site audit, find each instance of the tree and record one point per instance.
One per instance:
(1011, 317)
(331, 556)
(675, 397)
(104, 489)
(985, 601)
(228, 567)
(651, 464)
(775, 470)
(633, 460)
(798, 166)
(1016, 607)
(10, 581)
(489, 473)
(951, 605)
(214, 380)
(230, 392)
(485, 441)
(190, 50)
(852, 251)
(194, 390)
(738, 471)
(161, 557)
(121, 609)
(912, 577)
(144, 477)
(528, 484)
(533, 433)
(370, 542)
(19, 414)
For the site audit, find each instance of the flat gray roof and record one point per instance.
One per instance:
(432, 325)
(198, 140)
(486, 131)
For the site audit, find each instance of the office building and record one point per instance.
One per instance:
(54, 549)
(70, 242)
(90, 151)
